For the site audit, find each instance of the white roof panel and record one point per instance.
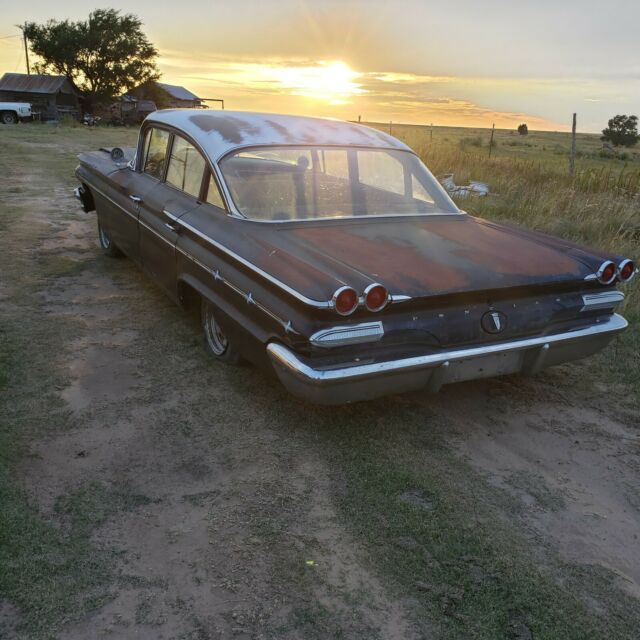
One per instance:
(219, 132)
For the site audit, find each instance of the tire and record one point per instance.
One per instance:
(215, 341)
(107, 245)
(8, 117)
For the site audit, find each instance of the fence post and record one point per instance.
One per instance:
(572, 157)
(493, 128)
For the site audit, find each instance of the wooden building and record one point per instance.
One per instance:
(52, 97)
(167, 96)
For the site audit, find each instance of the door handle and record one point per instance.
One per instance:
(136, 199)
(173, 225)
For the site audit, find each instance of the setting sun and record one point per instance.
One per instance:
(333, 82)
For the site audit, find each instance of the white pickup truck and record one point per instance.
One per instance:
(12, 112)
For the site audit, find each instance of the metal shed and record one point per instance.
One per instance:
(167, 96)
(50, 96)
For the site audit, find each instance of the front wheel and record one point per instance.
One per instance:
(8, 117)
(215, 340)
(106, 243)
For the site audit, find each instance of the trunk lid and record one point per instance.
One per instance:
(417, 257)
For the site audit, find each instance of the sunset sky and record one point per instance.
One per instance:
(463, 63)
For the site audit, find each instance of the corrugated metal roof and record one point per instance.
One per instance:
(21, 82)
(179, 93)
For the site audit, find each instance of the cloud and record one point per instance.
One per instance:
(327, 87)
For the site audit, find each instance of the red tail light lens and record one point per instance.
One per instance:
(607, 272)
(626, 270)
(375, 297)
(345, 300)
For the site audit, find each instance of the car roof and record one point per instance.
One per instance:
(219, 132)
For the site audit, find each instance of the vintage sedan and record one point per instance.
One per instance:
(326, 252)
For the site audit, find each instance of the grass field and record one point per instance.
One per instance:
(149, 492)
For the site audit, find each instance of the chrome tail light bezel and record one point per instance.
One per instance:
(600, 272)
(622, 265)
(368, 290)
(335, 296)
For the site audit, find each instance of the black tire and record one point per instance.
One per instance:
(109, 248)
(215, 341)
(8, 117)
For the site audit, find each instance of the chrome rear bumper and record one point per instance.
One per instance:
(352, 382)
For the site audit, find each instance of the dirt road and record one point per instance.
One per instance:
(201, 501)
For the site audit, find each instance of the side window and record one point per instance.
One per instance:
(186, 167)
(213, 193)
(381, 170)
(155, 152)
(419, 192)
(335, 163)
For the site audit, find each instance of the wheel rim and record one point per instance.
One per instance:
(104, 238)
(216, 339)
(7, 118)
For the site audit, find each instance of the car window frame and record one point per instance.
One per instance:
(199, 198)
(208, 169)
(143, 159)
(353, 171)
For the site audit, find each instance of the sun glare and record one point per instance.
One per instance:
(333, 82)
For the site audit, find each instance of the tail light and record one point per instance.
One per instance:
(375, 297)
(626, 270)
(345, 300)
(606, 274)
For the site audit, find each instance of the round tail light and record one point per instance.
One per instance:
(626, 270)
(607, 272)
(345, 300)
(375, 297)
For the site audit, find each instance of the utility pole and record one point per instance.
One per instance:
(431, 133)
(26, 50)
(493, 128)
(572, 157)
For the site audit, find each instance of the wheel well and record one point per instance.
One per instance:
(188, 297)
(88, 202)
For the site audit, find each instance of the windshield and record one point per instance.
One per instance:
(302, 183)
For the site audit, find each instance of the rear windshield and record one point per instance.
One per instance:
(301, 183)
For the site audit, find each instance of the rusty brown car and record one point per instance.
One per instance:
(326, 252)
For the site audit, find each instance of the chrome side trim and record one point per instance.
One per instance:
(316, 304)
(113, 202)
(601, 300)
(348, 334)
(247, 295)
(290, 362)
(171, 243)
(267, 276)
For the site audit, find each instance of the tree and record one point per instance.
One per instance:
(523, 129)
(105, 55)
(622, 131)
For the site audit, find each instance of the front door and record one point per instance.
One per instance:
(163, 206)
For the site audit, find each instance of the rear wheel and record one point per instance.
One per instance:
(216, 341)
(8, 117)
(106, 244)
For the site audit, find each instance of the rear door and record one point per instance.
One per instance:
(177, 193)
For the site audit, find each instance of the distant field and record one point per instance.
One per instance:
(548, 147)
